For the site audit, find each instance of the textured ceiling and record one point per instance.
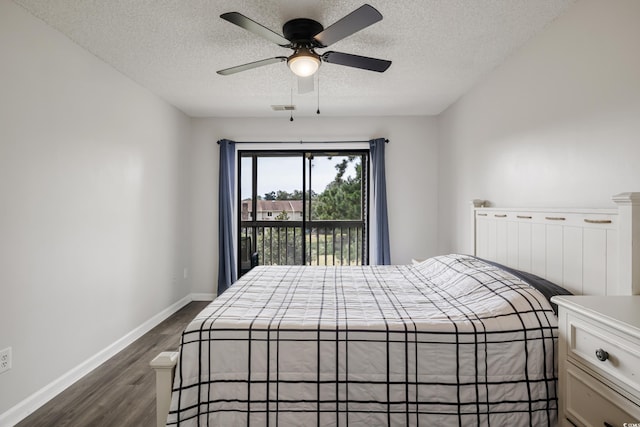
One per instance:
(439, 49)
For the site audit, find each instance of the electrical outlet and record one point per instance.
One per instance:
(5, 360)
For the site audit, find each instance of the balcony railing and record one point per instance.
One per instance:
(320, 243)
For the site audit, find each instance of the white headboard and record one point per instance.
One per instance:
(587, 251)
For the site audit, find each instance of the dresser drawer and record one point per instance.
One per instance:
(590, 403)
(622, 358)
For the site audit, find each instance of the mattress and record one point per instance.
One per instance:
(450, 341)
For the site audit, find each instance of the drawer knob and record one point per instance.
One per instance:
(602, 355)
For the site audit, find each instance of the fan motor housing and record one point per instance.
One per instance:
(301, 30)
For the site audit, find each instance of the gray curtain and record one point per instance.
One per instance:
(383, 253)
(226, 255)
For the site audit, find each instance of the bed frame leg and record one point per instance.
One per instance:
(164, 364)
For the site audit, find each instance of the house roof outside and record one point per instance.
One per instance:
(289, 206)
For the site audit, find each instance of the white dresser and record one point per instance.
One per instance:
(599, 360)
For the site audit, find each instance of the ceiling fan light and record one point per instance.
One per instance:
(304, 63)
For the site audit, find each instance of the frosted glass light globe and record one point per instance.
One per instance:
(304, 63)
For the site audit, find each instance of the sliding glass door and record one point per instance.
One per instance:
(302, 208)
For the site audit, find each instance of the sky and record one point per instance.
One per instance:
(285, 173)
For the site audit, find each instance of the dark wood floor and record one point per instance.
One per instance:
(120, 392)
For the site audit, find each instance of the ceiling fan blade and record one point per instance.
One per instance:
(251, 65)
(250, 25)
(356, 61)
(360, 18)
(305, 85)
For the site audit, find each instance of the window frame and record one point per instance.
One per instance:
(306, 220)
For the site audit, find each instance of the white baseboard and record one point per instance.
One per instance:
(23, 409)
(202, 297)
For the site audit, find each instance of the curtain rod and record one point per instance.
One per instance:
(301, 142)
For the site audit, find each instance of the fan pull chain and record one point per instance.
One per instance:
(291, 103)
(318, 110)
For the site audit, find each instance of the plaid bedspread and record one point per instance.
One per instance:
(450, 341)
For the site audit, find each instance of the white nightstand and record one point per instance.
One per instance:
(599, 360)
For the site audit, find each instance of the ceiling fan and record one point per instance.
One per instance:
(304, 35)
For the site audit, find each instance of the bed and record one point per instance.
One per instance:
(455, 339)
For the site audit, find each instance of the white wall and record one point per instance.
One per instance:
(558, 124)
(411, 171)
(93, 204)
